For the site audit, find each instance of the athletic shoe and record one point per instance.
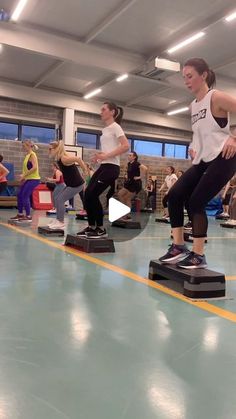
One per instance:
(17, 217)
(25, 219)
(52, 211)
(58, 225)
(82, 212)
(175, 253)
(193, 261)
(188, 226)
(51, 223)
(97, 233)
(83, 233)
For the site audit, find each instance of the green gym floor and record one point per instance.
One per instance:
(86, 336)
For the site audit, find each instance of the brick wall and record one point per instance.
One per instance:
(12, 153)
(28, 111)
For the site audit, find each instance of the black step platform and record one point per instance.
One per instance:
(133, 225)
(193, 283)
(221, 217)
(189, 238)
(51, 214)
(90, 245)
(46, 231)
(227, 225)
(81, 217)
(162, 220)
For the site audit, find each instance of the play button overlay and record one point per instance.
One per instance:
(117, 210)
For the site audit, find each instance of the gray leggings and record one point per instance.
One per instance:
(64, 195)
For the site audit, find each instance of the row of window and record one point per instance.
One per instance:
(45, 135)
(141, 146)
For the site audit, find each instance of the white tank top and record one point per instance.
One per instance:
(208, 137)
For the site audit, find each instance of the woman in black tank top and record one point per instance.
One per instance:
(132, 183)
(74, 182)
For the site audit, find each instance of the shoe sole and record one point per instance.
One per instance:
(103, 236)
(174, 259)
(192, 267)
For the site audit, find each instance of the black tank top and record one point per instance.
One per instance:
(71, 175)
(133, 170)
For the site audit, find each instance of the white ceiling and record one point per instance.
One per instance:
(73, 46)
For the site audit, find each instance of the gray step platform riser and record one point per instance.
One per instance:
(128, 225)
(196, 283)
(50, 233)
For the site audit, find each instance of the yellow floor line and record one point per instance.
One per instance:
(210, 308)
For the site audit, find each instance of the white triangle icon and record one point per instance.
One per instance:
(117, 210)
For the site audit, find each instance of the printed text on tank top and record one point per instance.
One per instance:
(209, 132)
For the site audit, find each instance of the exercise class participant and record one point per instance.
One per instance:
(150, 190)
(113, 144)
(30, 179)
(169, 181)
(213, 150)
(3, 175)
(74, 183)
(133, 182)
(55, 184)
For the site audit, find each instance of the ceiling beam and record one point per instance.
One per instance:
(139, 98)
(44, 76)
(125, 5)
(64, 49)
(48, 97)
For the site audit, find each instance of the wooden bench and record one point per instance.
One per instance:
(10, 200)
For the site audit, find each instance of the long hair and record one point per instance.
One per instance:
(201, 67)
(58, 148)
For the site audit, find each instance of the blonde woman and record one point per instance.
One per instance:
(29, 180)
(74, 183)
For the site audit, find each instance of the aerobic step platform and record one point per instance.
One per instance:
(90, 245)
(228, 225)
(133, 225)
(19, 223)
(162, 220)
(192, 283)
(81, 217)
(46, 231)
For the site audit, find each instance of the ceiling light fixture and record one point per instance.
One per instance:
(230, 17)
(93, 93)
(18, 10)
(1, 48)
(176, 111)
(122, 77)
(186, 42)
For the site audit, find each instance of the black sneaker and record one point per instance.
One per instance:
(174, 254)
(83, 233)
(97, 233)
(188, 226)
(193, 261)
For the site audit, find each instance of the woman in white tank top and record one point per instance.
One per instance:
(213, 153)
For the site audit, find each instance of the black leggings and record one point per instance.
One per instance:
(197, 186)
(101, 179)
(165, 200)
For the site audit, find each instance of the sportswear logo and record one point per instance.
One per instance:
(200, 115)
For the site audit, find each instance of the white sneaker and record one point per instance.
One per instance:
(58, 225)
(52, 211)
(51, 223)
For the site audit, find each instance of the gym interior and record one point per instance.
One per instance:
(98, 333)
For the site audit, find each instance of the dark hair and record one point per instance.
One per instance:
(172, 169)
(118, 111)
(135, 155)
(1, 158)
(201, 66)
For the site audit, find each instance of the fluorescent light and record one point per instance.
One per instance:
(171, 102)
(1, 48)
(18, 10)
(186, 42)
(93, 93)
(180, 110)
(122, 77)
(231, 17)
